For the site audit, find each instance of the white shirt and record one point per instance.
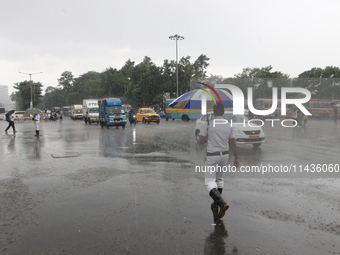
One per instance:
(218, 135)
(37, 118)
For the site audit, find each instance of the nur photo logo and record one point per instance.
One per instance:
(239, 101)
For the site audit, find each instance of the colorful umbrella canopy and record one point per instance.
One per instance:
(33, 111)
(193, 99)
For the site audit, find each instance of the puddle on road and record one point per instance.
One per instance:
(155, 158)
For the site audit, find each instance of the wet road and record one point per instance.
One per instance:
(80, 189)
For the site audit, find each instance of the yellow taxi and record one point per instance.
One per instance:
(147, 115)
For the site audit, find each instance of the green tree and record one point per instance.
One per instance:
(262, 80)
(126, 74)
(214, 79)
(66, 80)
(15, 97)
(87, 85)
(147, 81)
(141, 84)
(322, 83)
(26, 93)
(186, 71)
(168, 72)
(109, 81)
(54, 97)
(200, 66)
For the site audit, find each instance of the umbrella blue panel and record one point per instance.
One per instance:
(196, 104)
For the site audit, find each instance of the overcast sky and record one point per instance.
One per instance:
(80, 36)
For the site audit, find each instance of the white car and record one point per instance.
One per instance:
(18, 115)
(244, 134)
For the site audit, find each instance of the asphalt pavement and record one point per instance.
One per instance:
(81, 189)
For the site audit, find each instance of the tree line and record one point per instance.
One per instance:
(145, 83)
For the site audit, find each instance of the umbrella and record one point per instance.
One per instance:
(10, 112)
(334, 102)
(33, 111)
(192, 99)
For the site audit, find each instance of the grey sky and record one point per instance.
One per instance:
(79, 36)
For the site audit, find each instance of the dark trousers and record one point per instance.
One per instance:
(11, 124)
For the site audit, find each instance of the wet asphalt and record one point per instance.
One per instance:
(80, 189)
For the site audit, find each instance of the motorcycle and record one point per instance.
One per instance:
(133, 119)
(53, 117)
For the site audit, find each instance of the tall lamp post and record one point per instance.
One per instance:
(176, 37)
(30, 74)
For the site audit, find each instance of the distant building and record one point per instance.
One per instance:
(5, 100)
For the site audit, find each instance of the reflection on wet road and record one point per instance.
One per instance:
(215, 243)
(80, 189)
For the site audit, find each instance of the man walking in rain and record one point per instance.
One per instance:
(36, 123)
(10, 121)
(220, 137)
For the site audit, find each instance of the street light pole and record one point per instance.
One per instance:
(30, 74)
(176, 37)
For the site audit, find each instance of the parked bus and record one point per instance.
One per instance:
(320, 108)
(180, 113)
(185, 114)
(168, 110)
(266, 103)
(66, 111)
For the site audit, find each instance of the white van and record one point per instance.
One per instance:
(244, 134)
(90, 111)
(76, 112)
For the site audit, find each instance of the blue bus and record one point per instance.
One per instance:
(66, 111)
(180, 113)
(168, 109)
